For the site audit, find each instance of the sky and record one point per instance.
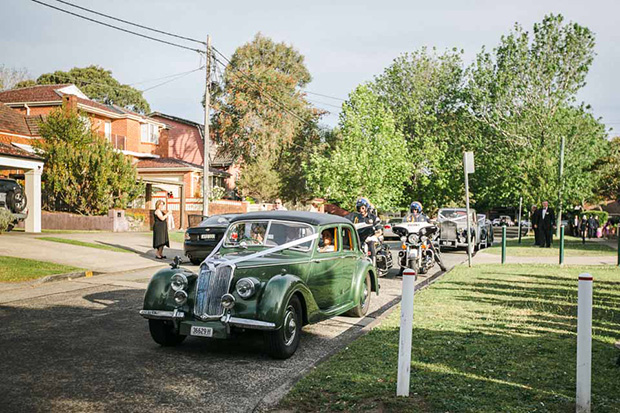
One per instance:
(345, 43)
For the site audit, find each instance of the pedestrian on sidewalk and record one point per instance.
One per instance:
(546, 225)
(583, 228)
(576, 230)
(591, 227)
(160, 229)
(535, 217)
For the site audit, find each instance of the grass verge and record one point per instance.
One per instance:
(83, 244)
(485, 339)
(13, 269)
(573, 247)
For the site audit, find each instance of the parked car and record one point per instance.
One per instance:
(273, 271)
(453, 228)
(503, 220)
(201, 239)
(13, 199)
(388, 227)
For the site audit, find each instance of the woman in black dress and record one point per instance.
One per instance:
(160, 230)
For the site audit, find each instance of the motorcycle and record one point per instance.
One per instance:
(420, 248)
(374, 247)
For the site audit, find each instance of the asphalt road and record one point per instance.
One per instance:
(81, 346)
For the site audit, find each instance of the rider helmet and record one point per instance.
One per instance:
(362, 202)
(415, 206)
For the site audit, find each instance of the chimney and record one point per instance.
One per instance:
(69, 103)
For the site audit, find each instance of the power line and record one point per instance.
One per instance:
(165, 77)
(172, 80)
(131, 23)
(323, 103)
(325, 96)
(118, 28)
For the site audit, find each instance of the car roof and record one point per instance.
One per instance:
(312, 218)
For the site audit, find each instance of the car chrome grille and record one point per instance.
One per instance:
(212, 284)
(448, 230)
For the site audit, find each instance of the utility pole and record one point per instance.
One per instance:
(561, 178)
(468, 167)
(205, 171)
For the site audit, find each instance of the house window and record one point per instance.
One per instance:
(107, 127)
(150, 133)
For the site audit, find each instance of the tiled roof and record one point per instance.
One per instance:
(33, 123)
(174, 163)
(10, 150)
(41, 93)
(13, 121)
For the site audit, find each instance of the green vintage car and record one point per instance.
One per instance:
(274, 271)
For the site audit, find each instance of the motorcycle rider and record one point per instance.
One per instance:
(415, 213)
(363, 214)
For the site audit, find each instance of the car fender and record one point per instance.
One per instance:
(364, 267)
(276, 295)
(158, 295)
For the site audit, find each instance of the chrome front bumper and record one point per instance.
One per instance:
(225, 319)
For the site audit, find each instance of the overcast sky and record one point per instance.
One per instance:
(345, 42)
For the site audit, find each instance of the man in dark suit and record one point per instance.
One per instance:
(546, 224)
(534, 218)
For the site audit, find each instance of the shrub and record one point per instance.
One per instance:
(6, 219)
(603, 216)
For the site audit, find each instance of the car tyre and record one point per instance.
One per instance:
(361, 309)
(164, 334)
(195, 261)
(282, 343)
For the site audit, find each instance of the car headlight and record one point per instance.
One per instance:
(180, 297)
(228, 301)
(186, 236)
(412, 239)
(178, 282)
(246, 287)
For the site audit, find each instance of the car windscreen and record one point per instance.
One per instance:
(269, 233)
(214, 220)
(452, 214)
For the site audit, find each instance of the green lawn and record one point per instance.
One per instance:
(14, 269)
(573, 247)
(485, 339)
(84, 244)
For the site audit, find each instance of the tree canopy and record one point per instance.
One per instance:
(98, 84)
(10, 76)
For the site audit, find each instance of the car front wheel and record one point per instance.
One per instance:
(283, 342)
(164, 334)
(362, 307)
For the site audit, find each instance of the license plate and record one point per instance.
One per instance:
(201, 331)
(207, 236)
(446, 242)
(2, 197)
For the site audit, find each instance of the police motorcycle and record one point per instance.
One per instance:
(370, 232)
(420, 246)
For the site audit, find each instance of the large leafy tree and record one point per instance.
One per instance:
(608, 170)
(523, 96)
(83, 173)
(98, 84)
(369, 157)
(260, 111)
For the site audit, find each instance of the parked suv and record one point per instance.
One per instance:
(13, 198)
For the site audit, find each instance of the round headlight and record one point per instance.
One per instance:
(246, 287)
(412, 239)
(186, 236)
(228, 301)
(178, 282)
(180, 297)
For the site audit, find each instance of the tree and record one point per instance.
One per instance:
(608, 170)
(83, 173)
(523, 97)
(370, 157)
(260, 110)
(99, 85)
(9, 77)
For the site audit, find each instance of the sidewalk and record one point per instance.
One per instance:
(484, 258)
(141, 253)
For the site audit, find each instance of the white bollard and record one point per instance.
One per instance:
(584, 343)
(406, 326)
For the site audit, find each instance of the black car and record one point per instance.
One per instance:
(13, 198)
(200, 240)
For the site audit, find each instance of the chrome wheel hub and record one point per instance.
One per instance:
(289, 326)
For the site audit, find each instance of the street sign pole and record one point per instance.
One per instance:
(406, 326)
(468, 167)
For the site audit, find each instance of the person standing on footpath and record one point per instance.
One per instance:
(591, 227)
(576, 229)
(160, 229)
(535, 217)
(583, 228)
(546, 224)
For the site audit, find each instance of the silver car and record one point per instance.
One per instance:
(387, 227)
(453, 225)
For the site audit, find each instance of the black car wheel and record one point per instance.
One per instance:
(195, 261)
(361, 309)
(16, 200)
(164, 334)
(283, 342)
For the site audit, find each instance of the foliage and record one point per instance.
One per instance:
(9, 77)
(423, 90)
(370, 157)
(98, 84)
(217, 192)
(485, 339)
(523, 97)
(249, 120)
(603, 216)
(13, 269)
(82, 171)
(6, 219)
(608, 170)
